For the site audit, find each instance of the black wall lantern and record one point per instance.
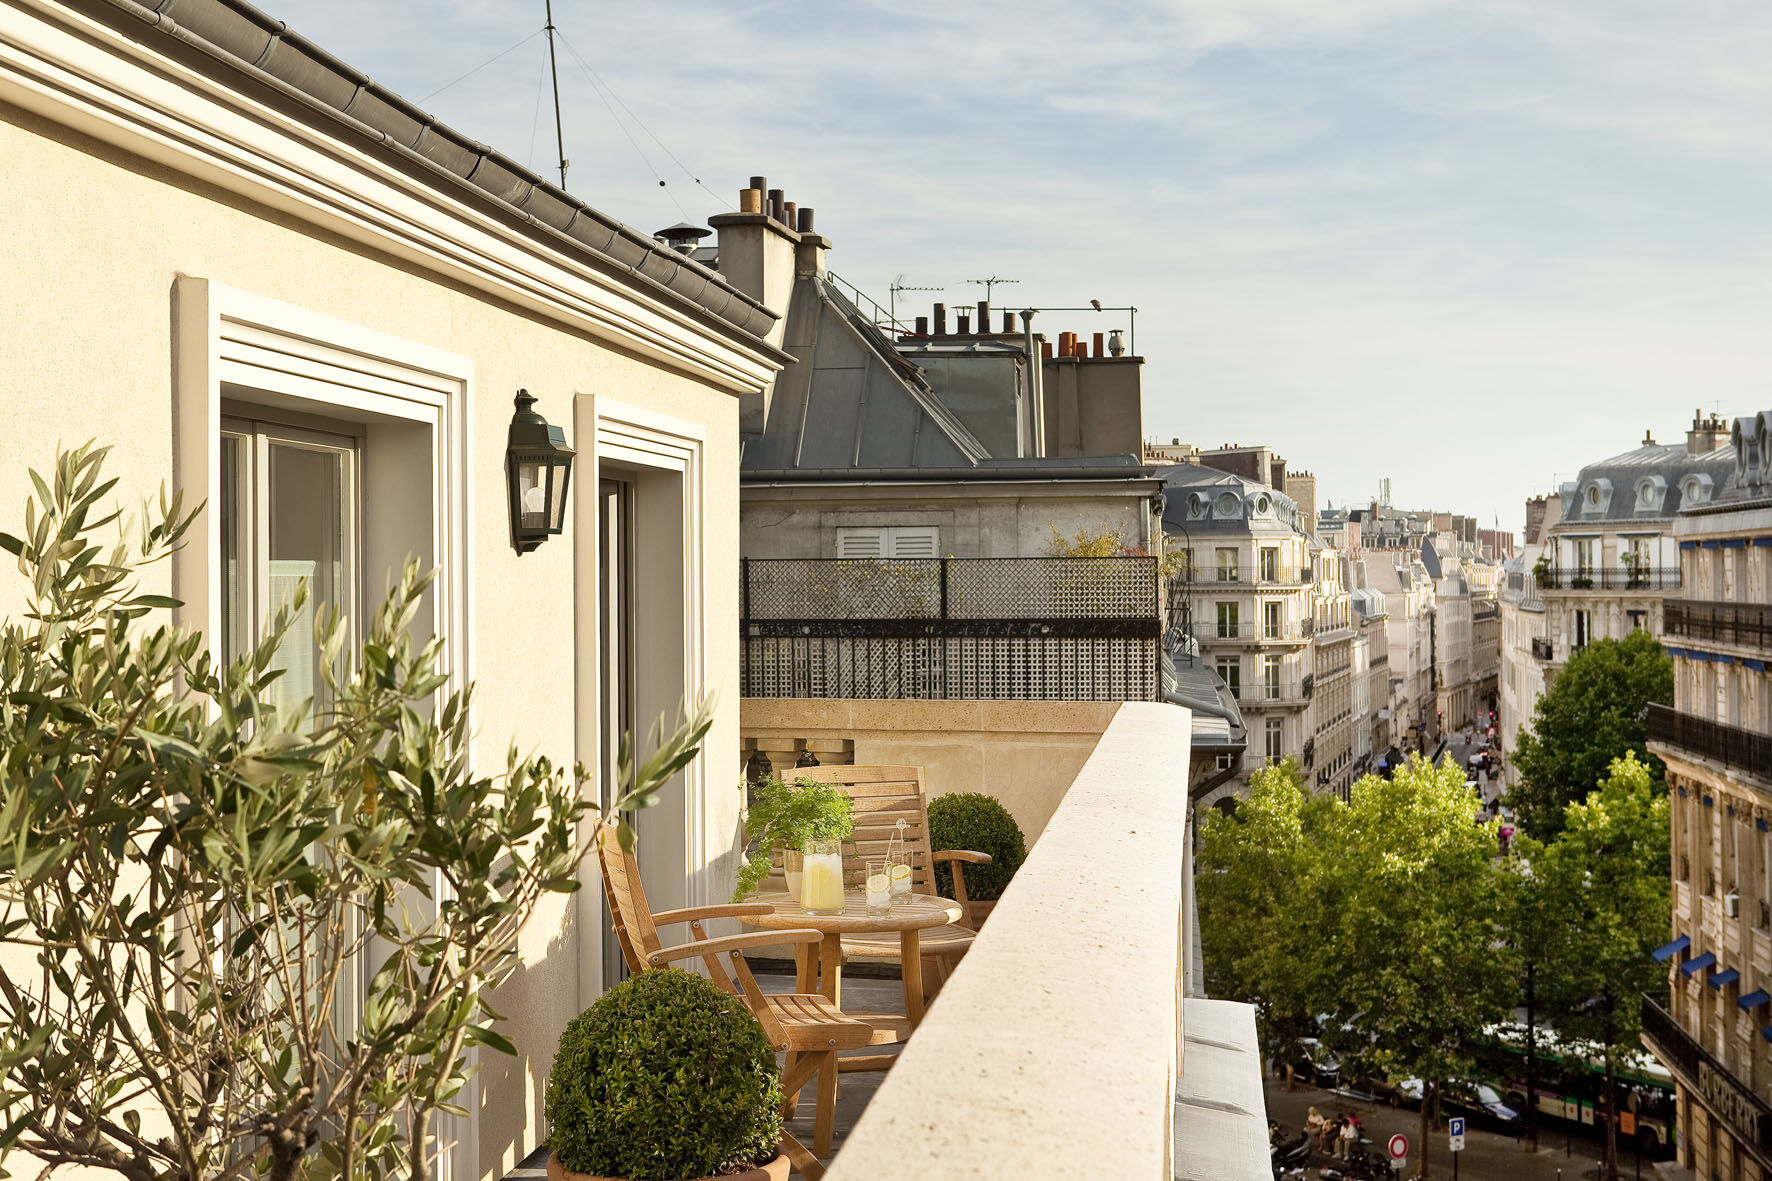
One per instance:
(539, 464)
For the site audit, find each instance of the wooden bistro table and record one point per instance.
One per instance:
(822, 970)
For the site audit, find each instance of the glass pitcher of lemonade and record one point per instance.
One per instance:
(821, 878)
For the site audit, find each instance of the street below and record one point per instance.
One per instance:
(1563, 1155)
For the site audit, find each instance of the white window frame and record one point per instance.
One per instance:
(415, 403)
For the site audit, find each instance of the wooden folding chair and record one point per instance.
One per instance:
(883, 796)
(806, 1027)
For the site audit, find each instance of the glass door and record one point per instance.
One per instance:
(615, 642)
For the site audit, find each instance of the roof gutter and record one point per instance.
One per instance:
(845, 475)
(635, 255)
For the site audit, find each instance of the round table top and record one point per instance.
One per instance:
(919, 911)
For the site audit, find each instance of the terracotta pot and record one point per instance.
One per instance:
(775, 1170)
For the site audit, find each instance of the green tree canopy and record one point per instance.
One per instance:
(1592, 714)
(1253, 931)
(1383, 915)
(1606, 874)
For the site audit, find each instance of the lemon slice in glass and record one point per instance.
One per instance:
(901, 872)
(877, 884)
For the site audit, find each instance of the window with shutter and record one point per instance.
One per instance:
(889, 541)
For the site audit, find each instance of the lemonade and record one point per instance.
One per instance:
(901, 882)
(821, 884)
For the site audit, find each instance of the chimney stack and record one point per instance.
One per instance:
(776, 201)
(962, 324)
(1706, 435)
(984, 317)
(922, 325)
(805, 223)
(941, 319)
(1008, 322)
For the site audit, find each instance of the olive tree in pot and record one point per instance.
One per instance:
(666, 1078)
(977, 822)
(199, 874)
(789, 816)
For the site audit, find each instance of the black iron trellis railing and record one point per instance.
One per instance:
(1076, 629)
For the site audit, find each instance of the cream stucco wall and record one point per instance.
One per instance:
(94, 239)
(1024, 753)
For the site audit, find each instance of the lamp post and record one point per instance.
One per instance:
(538, 464)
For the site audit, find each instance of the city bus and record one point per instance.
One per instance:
(1571, 1086)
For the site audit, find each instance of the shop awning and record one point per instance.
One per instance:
(1667, 951)
(1766, 1032)
(1726, 976)
(1754, 999)
(1697, 962)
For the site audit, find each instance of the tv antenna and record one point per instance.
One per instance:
(559, 134)
(892, 296)
(987, 284)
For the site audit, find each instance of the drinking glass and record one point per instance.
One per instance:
(900, 874)
(879, 889)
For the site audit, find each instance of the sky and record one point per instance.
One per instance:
(1469, 246)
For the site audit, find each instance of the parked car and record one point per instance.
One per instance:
(1479, 1102)
(1315, 1063)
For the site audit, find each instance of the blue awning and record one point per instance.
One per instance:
(1726, 976)
(1667, 951)
(1698, 962)
(1754, 999)
(1766, 1033)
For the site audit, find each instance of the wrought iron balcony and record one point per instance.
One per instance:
(1610, 578)
(1210, 632)
(1257, 575)
(1066, 629)
(1272, 693)
(1732, 746)
(1747, 624)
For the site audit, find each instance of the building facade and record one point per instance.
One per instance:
(1714, 1031)
(1251, 582)
(309, 307)
(1335, 670)
(1610, 559)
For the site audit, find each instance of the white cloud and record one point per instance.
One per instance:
(1465, 245)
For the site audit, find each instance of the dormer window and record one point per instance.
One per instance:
(1651, 491)
(1263, 505)
(1596, 498)
(1695, 489)
(1229, 505)
(1196, 506)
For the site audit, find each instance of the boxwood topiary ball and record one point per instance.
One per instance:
(665, 1077)
(976, 822)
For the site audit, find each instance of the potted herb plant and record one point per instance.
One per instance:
(981, 824)
(665, 1078)
(789, 816)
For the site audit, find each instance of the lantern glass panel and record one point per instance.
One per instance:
(560, 473)
(532, 495)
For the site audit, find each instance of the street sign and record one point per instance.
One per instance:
(1455, 1132)
(1399, 1146)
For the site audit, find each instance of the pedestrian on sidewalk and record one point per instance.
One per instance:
(1313, 1124)
(1350, 1135)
